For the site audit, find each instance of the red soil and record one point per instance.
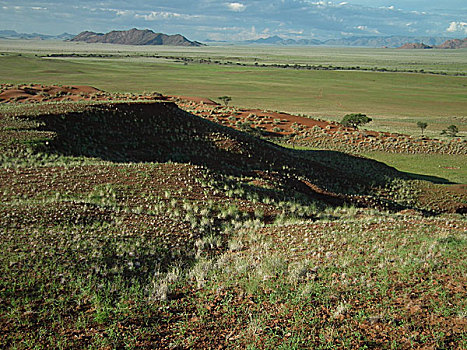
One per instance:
(40, 93)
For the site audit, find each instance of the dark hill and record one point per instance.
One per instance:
(135, 37)
(416, 46)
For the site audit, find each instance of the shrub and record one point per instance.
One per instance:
(451, 130)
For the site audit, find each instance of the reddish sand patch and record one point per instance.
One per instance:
(35, 93)
(40, 93)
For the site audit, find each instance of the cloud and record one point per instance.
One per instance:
(457, 27)
(119, 12)
(16, 8)
(296, 32)
(368, 30)
(236, 6)
(163, 15)
(238, 33)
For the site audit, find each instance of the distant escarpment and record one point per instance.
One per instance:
(135, 37)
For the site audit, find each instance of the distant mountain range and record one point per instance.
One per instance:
(364, 41)
(11, 34)
(135, 37)
(148, 37)
(448, 44)
(277, 40)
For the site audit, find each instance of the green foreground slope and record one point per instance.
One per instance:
(141, 226)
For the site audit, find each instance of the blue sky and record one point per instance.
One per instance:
(241, 19)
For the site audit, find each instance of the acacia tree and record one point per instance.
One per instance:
(225, 99)
(422, 126)
(354, 120)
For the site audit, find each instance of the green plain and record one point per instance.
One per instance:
(395, 101)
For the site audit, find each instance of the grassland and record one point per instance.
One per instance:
(396, 101)
(449, 61)
(450, 167)
(142, 226)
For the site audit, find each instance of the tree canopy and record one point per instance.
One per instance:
(422, 126)
(451, 130)
(225, 99)
(354, 120)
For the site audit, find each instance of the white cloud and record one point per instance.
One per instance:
(236, 6)
(297, 32)
(457, 27)
(122, 12)
(163, 15)
(118, 12)
(321, 4)
(35, 8)
(238, 34)
(368, 30)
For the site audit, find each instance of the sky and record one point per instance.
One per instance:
(237, 20)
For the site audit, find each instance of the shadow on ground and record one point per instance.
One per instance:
(161, 132)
